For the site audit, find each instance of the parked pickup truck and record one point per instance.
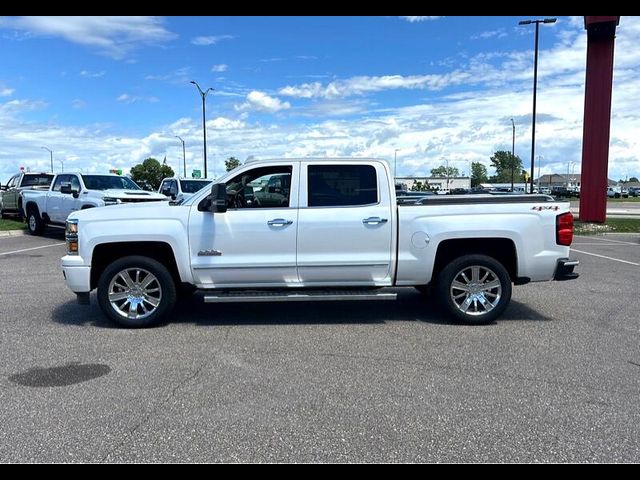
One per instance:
(339, 236)
(74, 191)
(11, 193)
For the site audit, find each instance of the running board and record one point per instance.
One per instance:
(288, 296)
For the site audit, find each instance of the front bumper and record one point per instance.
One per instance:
(77, 276)
(564, 269)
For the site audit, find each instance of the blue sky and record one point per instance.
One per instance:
(107, 92)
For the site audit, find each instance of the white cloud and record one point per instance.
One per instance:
(499, 33)
(419, 19)
(129, 99)
(210, 39)
(362, 85)
(262, 102)
(112, 36)
(78, 104)
(178, 76)
(6, 92)
(220, 68)
(88, 74)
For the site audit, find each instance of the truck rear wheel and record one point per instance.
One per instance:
(136, 291)
(474, 289)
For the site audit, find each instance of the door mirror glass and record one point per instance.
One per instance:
(66, 188)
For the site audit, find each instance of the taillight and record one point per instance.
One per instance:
(564, 229)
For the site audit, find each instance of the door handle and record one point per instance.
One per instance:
(374, 220)
(279, 222)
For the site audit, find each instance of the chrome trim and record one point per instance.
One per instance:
(279, 222)
(343, 264)
(298, 297)
(244, 267)
(374, 220)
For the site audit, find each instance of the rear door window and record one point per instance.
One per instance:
(342, 185)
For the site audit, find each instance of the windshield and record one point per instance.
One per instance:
(41, 180)
(107, 182)
(192, 186)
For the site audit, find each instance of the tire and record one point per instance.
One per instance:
(139, 282)
(474, 289)
(35, 225)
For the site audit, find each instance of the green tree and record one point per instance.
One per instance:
(151, 172)
(478, 174)
(504, 163)
(444, 172)
(231, 163)
(418, 186)
(634, 179)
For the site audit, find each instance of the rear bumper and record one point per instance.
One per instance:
(564, 269)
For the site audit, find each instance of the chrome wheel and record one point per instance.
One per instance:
(134, 293)
(32, 223)
(476, 290)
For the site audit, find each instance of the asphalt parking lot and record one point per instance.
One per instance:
(557, 379)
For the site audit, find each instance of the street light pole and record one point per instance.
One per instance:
(513, 151)
(204, 125)
(395, 158)
(184, 158)
(535, 83)
(51, 154)
(62, 163)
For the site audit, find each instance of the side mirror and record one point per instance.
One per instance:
(166, 191)
(65, 188)
(218, 198)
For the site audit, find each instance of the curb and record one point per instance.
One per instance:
(13, 233)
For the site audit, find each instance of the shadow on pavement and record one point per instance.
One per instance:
(410, 307)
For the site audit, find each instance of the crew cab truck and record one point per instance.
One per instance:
(11, 192)
(74, 191)
(180, 189)
(338, 236)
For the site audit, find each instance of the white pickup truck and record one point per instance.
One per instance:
(74, 191)
(339, 235)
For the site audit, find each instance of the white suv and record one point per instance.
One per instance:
(180, 189)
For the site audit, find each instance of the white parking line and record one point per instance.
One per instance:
(607, 240)
(33, 248)
(603, 244)
(608, 258)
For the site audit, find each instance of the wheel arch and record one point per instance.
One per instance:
(502, 249)
(106, 253)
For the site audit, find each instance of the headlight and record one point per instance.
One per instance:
(71, 237)
(111, 201)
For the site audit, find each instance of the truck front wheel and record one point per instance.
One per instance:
(34, 222)
(474, 289)
(136, 291)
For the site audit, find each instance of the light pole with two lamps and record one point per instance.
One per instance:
(204, 125)
(535, 83)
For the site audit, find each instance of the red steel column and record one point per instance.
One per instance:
(601, 32)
